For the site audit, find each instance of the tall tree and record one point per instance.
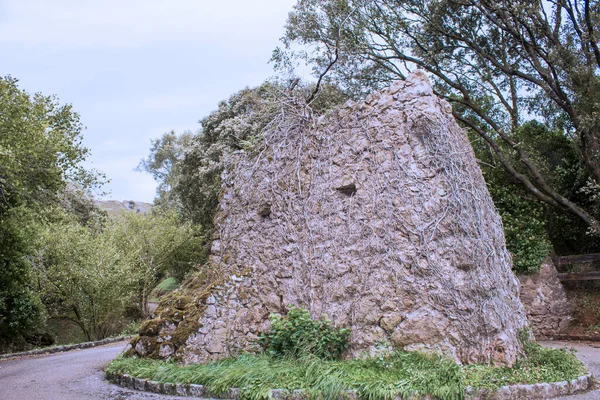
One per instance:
(155, 246)
(500, 63)
(40, 151)
(164, 164)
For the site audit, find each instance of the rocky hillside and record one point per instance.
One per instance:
(114, 208)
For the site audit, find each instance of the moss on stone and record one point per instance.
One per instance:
(183, 331)
(151, 327)
(178, 315)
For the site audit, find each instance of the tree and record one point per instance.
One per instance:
(500, 63)
(164, 164)
(40, 148)
(82, 277)
(188, 167)
(40, 151)
(153, 247)
(77, 202)
(21, 311)
(94, 277)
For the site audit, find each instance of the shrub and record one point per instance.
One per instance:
(298, 334)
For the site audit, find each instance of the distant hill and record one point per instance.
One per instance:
(115, 208)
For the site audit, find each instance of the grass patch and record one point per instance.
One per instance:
(168, 285)
(385, 377)
(539, 365)
(165, 286)
(405, 373)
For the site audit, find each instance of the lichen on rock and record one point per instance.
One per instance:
(375, 215)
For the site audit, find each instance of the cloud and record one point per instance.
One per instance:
(175, 100)
(126, 23)
(131, 184)
(135, 69)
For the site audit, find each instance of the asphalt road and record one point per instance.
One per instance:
(73, 375)
(78, 375)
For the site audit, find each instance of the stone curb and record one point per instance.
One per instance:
(60, 349)
(513, 392)
(534, 391)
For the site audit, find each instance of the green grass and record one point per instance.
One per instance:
(168, 285)
(407, 374)
(165, 286)
(539, 365)
(404, 373)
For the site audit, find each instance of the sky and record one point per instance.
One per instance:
(136, 69)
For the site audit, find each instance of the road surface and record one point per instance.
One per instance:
(72, 375)
(78, 375)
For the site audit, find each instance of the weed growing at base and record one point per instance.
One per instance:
(539, 365)
(385, 377)
(297, 334)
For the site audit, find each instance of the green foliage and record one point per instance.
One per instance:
(408, 374)
(538, 365)
(532, 228)
(165, 286)
(40, 152)
(298, 334)
(81, 276)
(40, 147)
(168, 285)
(524, 227)
(94, 277)
(20, 308)
(236, 123)
(156, 246)
(164, 164)
(188, 166)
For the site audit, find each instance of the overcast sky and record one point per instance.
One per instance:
(135, 69)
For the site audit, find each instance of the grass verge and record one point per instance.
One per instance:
(384, 377)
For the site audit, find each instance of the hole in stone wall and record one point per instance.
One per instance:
(348, 190)
(264, 210)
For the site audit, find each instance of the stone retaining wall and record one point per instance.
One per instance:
(375, 215)
(513, 392)
(545, 301)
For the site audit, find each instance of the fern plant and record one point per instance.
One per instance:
(298, 334)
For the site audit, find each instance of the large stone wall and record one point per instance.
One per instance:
(545, 301)
(376, 216)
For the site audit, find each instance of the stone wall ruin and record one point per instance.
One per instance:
(376, 216)
(545, 301)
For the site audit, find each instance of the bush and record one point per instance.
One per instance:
(298, 334)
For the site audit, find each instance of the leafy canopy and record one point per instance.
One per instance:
(40, 152)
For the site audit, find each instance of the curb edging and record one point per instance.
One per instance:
(512, 392)
(60, 349)
(545, 390)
